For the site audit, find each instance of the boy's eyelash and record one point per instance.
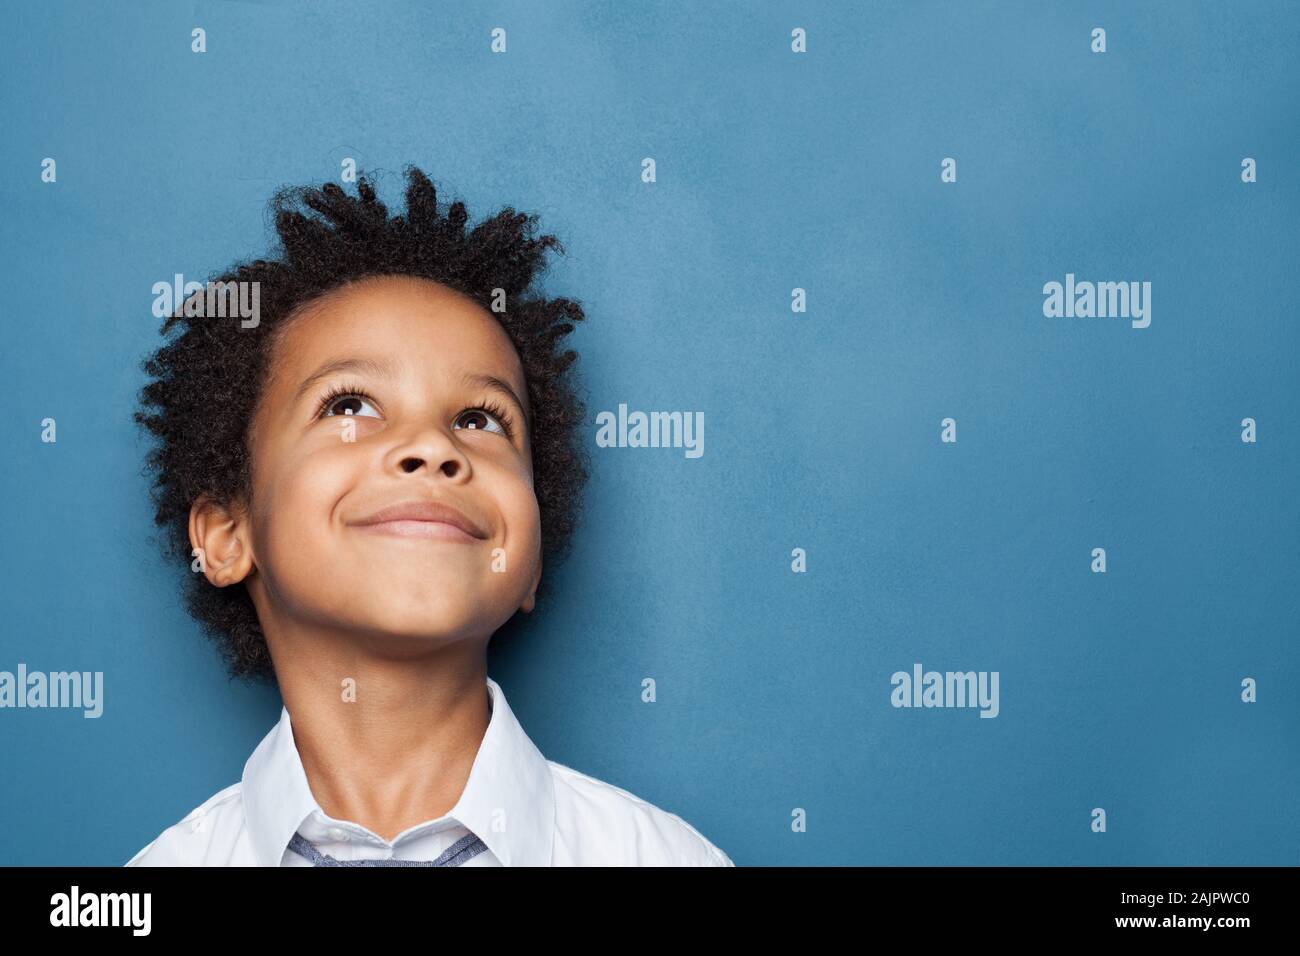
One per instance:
(498, 412)
(340, 391)
(492, 407)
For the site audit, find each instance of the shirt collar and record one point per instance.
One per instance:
(508, 801)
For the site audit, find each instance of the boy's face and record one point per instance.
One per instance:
(403, 353)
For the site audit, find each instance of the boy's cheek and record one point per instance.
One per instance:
(524, 514)
(315, 477)
(293, 513)
(528, 548)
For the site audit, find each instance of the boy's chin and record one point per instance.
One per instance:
(425, 626)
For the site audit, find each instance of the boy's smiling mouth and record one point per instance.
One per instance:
(422, 519)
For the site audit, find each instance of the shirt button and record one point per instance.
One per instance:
(339, 834)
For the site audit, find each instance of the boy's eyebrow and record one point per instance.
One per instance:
(382, 368)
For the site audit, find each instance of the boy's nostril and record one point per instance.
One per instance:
(410, 464)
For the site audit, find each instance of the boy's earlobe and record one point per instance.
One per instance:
(218, 535)
(531, 601)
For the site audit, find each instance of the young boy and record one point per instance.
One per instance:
(365, 477)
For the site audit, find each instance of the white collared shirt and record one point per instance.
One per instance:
(527, 810)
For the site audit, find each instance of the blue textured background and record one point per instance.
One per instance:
(775, 171)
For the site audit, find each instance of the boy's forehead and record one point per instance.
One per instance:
(402, 321)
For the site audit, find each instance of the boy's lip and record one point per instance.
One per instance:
(421, 512)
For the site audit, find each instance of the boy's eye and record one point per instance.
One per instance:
(480, 419)
(349, 405)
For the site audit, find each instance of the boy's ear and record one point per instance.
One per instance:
(531, 601)
(220, 535)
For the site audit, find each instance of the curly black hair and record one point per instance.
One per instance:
(206, 380)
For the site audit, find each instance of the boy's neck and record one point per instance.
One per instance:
(387, 743)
